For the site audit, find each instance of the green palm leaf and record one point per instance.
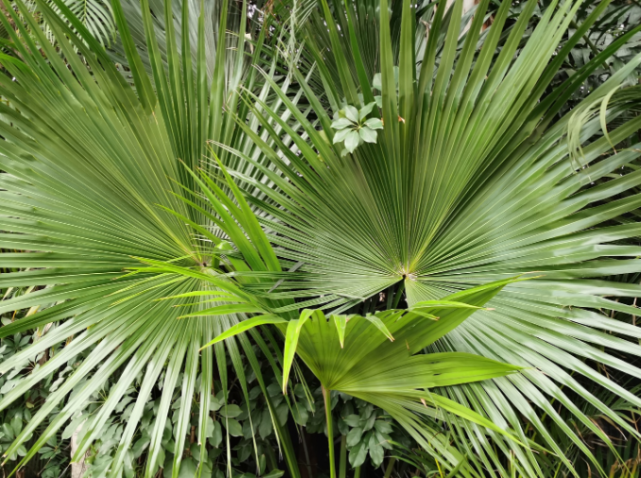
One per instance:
(377, 358)
(93, 186)
(472, 180)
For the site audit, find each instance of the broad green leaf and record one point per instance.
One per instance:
(341, 123)
(351, 114)
(365, 110)
(341, 135)
(341, 323)
(292, 334)
(374, 123)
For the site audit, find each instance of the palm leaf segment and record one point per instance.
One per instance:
(472, 179)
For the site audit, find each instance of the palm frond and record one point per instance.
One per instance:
(472, 179)
(377, 358)
(93, 185)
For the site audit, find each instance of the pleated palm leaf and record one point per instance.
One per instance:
(94, 172)
(465, 175)
(377, 358)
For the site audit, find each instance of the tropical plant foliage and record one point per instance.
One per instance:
(215, 214)
(95, 15)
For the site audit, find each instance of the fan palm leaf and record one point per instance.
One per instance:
(93, 183)
(378, 359)
(472, 179)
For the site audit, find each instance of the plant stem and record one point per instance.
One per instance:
(308, 463)
(399, 295)
(330, 430)
(357, 472)
(390, 467)
(342, 467)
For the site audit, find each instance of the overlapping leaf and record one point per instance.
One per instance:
(93, 186)
(474, 178)
(378, 358)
